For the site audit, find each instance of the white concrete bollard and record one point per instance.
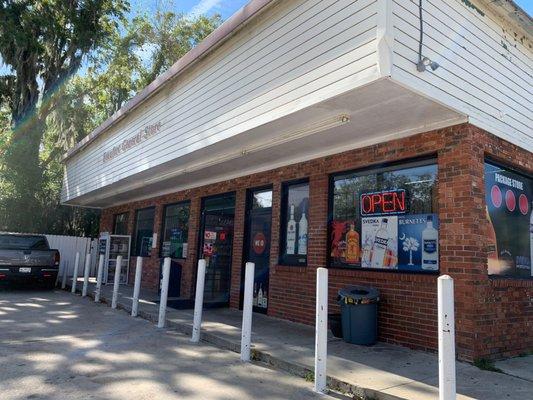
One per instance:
(116, 282)
(321, 330)
(247, 308)
(137, 287)
(86, 275)
(99, 276)
(446, 326)
(75, 273)
(65, 273)
(164, 293)
(198, 302)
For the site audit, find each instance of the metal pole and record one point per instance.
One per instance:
(65, 273)
(446, 326)
(247, 308)
(137, 287)
(198, 302)
(75, 273)
(86, 274)
(164, 293)
(321, 329)
(99, 278)
(116, 282)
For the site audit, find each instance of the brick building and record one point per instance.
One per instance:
(304, 134)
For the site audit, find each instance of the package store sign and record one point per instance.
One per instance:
(509, 213)
(127, 144)
(388, 202)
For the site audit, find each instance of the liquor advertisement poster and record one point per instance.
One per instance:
(379, 242)
(509, 197)
(345, 243)
(418, 242)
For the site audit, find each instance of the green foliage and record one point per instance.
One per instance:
(47, 104)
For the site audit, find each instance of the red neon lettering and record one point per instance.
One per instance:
(399, 199)
(387, 200)
(366, 203)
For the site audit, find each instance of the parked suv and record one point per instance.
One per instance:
(25, 257)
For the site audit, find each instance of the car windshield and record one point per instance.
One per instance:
(27, 242)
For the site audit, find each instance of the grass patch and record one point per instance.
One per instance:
(309, 377)
(486, 365)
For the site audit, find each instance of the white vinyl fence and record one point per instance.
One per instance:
(68, 246)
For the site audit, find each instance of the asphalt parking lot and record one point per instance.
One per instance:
(54, 345)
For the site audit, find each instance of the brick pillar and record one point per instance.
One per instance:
(238, 245)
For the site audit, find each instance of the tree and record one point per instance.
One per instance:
(42, 43)
(131, 54)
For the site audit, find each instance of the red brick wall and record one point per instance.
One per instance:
(492, 316)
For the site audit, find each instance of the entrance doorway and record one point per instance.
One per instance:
(257, 244)
(216, 244)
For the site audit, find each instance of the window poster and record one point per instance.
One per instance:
(386, 220)
(509, 197)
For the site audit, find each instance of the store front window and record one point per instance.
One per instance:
(143, 232)
(385, 219)
(175, 230)
(509, 197)
(120, 224)
(294, 223)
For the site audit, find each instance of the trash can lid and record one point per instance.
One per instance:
(358, 294)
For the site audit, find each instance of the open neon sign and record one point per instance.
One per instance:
(386, 202)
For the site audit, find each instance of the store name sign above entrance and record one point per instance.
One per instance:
(387, 202)
(144, 134)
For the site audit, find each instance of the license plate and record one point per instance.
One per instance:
(25, 270)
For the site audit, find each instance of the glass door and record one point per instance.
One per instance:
(216, 244)
(257, 245)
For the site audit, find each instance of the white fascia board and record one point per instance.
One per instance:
(385, 38)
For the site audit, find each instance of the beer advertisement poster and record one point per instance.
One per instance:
(418, 242)
(509, 197)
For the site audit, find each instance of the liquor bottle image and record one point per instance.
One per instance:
(265, 300)
(493, 262)
(367, 253)
(379, 248)
(260, 295)
(352, 246)
(430, 246)
(291, 233)
(302, 235)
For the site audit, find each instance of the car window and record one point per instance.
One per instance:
(13, 242)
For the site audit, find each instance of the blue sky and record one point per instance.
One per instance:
(227, 7)
(527, 5)
(195, 7)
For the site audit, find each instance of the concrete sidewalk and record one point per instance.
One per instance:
(382, 371)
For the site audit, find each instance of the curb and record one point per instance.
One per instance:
(293, 368)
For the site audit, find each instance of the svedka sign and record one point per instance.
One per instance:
(386, 202)
(144, 134)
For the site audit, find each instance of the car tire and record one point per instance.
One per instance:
(49, 285)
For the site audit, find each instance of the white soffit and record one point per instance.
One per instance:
(377, 112)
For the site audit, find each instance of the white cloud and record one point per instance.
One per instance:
(203, 7)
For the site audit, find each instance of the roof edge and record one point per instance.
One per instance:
(209, 44)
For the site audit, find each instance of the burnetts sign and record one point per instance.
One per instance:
(144, 134)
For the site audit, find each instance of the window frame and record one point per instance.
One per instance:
(425, 160)
(284, 259)
(163, 223)
(135, 250)
(127, 213)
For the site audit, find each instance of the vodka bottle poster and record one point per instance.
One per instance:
(418, 242)
(379, 242)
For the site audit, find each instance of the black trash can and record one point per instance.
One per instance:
(359, 314)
